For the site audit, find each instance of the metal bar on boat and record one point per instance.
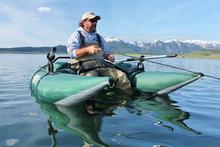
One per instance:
(146, 58)
(175, 87)
(83, 95)
(61, 57)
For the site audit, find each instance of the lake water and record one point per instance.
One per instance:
(189, 117)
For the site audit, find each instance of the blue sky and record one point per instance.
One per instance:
(51, 22)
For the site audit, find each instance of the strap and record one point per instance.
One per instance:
(99, 40)
(82, 39)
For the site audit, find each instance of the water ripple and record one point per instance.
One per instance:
(196, 106)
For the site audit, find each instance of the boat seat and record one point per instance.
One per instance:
(66, 68)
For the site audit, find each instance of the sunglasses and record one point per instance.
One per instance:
(93, 20)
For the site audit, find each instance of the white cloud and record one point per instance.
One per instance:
(25, 27)
(43, 9)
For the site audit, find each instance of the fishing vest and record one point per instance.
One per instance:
(89, 62)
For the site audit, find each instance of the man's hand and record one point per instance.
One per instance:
(111, 58)
(93, 49)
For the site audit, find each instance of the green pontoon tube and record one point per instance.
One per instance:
(58, 83)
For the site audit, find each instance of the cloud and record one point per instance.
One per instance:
(43, 9)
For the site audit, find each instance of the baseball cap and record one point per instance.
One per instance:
(90, 15)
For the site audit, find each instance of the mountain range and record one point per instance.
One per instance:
(119, 46)
(161, 47)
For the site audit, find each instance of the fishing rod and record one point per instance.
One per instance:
(217, 78)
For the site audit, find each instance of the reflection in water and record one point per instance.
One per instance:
(85, 119)
(74, 119)
(52, 132)
(162, 110)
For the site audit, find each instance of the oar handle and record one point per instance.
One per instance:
(132, 59)
(170, 56)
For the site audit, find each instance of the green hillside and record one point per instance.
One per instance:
(207, 54)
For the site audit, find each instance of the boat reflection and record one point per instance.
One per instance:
(162, 111)
(74, 119)
(85, 119)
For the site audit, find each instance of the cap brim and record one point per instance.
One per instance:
(96, 17)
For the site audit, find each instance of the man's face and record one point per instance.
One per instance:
(90, 24)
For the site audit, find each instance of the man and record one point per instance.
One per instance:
(89, 51)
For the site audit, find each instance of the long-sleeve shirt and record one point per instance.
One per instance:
(74, 42)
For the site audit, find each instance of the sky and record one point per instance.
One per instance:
(51, 22)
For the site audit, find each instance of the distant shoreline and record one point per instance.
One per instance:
(202, 57)
(23, 52)
(194, 55)
(212, 55)
(33, 53)
(208, 54)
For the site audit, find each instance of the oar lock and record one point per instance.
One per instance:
(140, 64)
(51, 57)
(111, 83)
(142, 58)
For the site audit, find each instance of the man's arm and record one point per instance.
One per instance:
(107, 55)
(73, 47)
(89, 50)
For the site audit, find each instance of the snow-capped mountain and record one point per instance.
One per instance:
(139, 43)
(212, 45)
(113, 39)
(117, 45)
(161, 47)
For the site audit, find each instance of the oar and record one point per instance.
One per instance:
(217, 78)
(143, 58)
